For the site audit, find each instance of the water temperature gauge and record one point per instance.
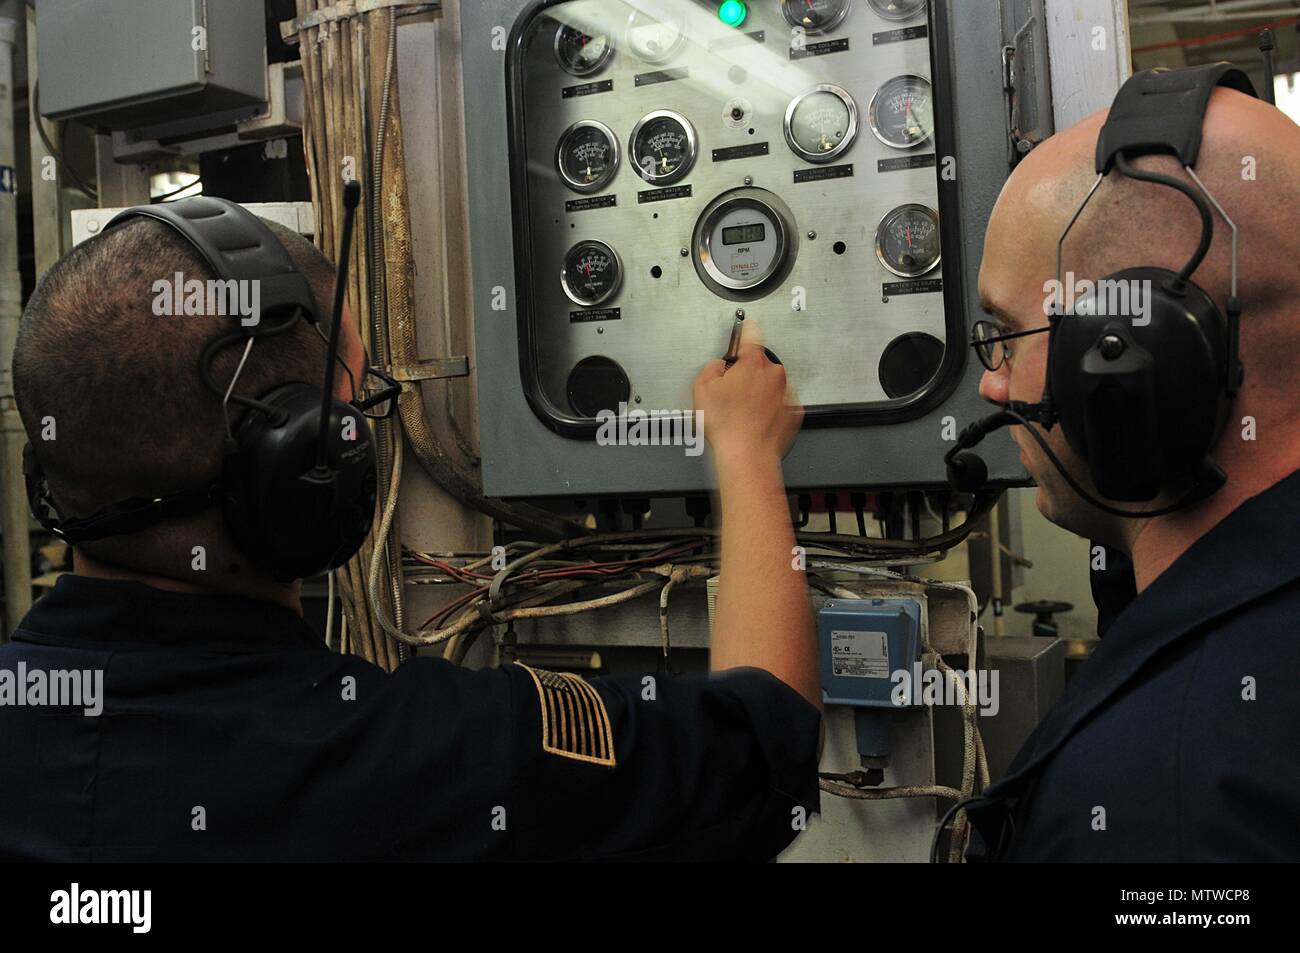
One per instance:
(821, 124)
(663, 147)
(907, 241)
(902, 112)
(587, 156)
(592, 273)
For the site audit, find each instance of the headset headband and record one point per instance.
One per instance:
(1163, 111)
(236, 244)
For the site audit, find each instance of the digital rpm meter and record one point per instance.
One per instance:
(745, 243)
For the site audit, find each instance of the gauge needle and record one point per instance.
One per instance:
(913, 127)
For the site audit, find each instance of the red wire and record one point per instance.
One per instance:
(1202, 40)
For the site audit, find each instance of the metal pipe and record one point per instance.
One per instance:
(14, 520)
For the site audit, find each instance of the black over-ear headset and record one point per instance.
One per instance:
(1141, 396)
(298, 479)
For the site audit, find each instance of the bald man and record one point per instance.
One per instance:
(1179, 739)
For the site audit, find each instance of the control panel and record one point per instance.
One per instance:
(640, 172)
(681, 162)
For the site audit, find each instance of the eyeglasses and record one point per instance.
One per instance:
(990, 341)
(380, 401)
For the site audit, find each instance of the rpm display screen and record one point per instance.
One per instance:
(744, 234)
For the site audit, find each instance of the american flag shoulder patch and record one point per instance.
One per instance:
(575, 722)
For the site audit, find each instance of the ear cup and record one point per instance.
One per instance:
(289, 520)
(1140, 390)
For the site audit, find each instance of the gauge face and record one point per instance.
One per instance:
(907, 241)
(902, 112)
(592, 273)
(587, 156)
(743, 240)
(657, 37)
(581, 53)
(816, 16)
(897, 9)
(663, 147)
(821, 124)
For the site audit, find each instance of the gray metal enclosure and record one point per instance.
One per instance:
(524, 457)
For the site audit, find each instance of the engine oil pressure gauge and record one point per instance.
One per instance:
(907, 241)
(744, 243)
(897, 9)
(821, 124)
(592, 273)
(581, 53)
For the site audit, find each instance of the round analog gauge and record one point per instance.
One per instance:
(656, 37)
(821, 124)
(743, 240)
(902, 112)
(816, 16)
(663, 147)
(592, 273)
(907, 241)
(587, 156)
(897, 9)
(581, 53)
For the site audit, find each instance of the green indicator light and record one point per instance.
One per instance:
(733, 12)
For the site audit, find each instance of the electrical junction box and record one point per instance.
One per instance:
(863, 643)
(134, 63)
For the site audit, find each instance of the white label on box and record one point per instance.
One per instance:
(859, 654)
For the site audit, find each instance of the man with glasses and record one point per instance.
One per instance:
(1177, 740)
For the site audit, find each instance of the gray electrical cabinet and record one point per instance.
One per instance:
(641, 171)
(133, 63)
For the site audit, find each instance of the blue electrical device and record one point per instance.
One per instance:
(863, 643)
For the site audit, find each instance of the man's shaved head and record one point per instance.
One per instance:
(121, 386)
(1250, 162)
